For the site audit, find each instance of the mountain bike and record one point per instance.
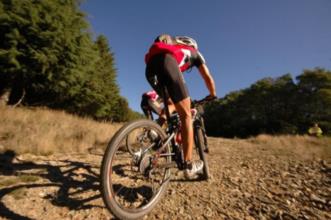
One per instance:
(134, 177)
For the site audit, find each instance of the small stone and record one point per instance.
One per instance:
(317, 199)
(247, 195)
(71, 213)
(269, 195)
(208, 212)
(324, 163)
(307, 189)
(244, 165)
(284, 174)
(306, 217)
(293, 185)
(42, 194)
(159, 216)
(80, 171)
(262, 217)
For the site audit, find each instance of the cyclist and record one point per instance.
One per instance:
(315, 130)
(151, 103)
(166, 60)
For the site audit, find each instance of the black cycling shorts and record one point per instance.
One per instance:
(162, 70)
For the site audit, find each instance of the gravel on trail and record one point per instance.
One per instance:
(249, 181)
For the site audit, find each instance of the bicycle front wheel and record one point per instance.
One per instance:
(132, 182)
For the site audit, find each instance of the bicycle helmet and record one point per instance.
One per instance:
(186, 41)
(165, 38)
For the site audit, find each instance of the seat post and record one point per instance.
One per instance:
(165, 100)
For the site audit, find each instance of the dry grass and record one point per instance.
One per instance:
(7, 182)
(305, 145)
(43, 131)
(19, 193)
(28, 178)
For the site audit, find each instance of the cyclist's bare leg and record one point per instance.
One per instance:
(184, 110)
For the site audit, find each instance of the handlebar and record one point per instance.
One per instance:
(203, 101)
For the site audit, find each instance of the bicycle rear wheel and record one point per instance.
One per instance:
(133, 182)
(205, 142)
(200, 147)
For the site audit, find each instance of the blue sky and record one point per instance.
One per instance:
(242, 41)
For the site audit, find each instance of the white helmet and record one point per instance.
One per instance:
(164, 38)
(186, 41)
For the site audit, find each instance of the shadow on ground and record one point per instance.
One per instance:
(62, 174)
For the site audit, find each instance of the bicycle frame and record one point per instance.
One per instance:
(173, 129)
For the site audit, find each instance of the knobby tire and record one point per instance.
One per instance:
(108, 172)
(200, 145)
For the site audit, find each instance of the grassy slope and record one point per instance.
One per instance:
(43, 131)
(295, 145)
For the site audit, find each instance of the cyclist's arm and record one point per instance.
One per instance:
(209, 81)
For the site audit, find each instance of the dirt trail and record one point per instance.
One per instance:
(250, 181)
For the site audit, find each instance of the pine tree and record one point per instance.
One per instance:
(48, 57)
(45, 49)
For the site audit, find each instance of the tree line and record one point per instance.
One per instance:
(274, 106)
(48, 58)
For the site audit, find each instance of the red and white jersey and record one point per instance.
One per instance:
(185, 56)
